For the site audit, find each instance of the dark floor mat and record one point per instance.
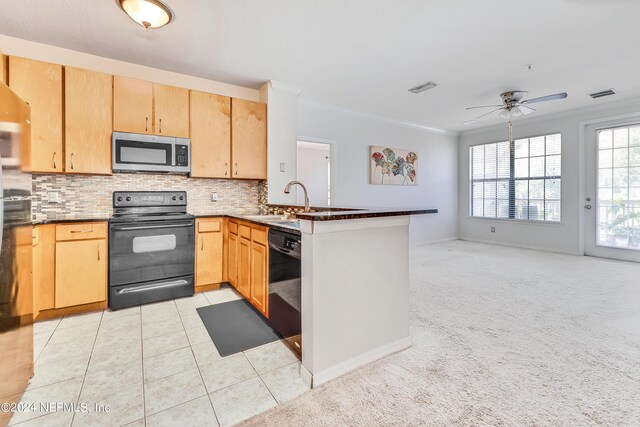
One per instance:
(236, 326)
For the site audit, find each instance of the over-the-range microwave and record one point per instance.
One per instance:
(134, 152)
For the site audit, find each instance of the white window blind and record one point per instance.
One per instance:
(518, 180)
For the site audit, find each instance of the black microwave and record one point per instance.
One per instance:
(134, 152)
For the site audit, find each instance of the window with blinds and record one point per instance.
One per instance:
(520, 180)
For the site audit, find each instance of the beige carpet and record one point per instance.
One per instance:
(502, 337)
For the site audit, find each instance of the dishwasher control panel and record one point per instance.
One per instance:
(291, 244)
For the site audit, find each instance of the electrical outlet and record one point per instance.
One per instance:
(53, 197)
(493, 229)
(214, 197)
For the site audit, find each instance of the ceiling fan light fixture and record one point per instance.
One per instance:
(510, 113)
(148, 13)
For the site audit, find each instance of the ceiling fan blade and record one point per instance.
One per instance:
(482, 106)
(492, 111)
(562, 95)
(525, 109)
(468, 122)
(518, 95)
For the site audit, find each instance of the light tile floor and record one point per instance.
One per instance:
(153, 365)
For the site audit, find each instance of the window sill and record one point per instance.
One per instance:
(518, 221)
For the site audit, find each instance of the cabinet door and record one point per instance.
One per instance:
(209, 258)
(44, 259)
(88, 110)
(81, 272)
(233, 259)
(40, 85)
(210, 135)
(244, 267)
(249, 139)
(132, 105)
(259, 282)
(171, 110)
(3, 68)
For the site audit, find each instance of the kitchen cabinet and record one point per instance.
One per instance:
(259, 283)
(3, 68)
(132, 105)
(248, 262)
(244, 267)
(210, 135)
(44, 266)
(209, 247)
(171, 111)
(140, 106)
(40, 85)
(248, 139)
(88, 121)
(80, 264)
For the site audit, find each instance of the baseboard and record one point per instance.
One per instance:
(432, 242)
(517, 245)
(306, 376)
(68, 311)
(356, 362)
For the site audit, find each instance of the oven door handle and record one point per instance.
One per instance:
(149, 227)
(152, 286)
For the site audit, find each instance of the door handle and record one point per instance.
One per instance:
(160, 127)
(146, 124)
(587, 206)
(235, 166)
(72, 161)
(98, 251)
(201, 244)
(149, 227)
(54, 160)
(226, 169)
(82, 231)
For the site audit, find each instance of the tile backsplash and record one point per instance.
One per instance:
(91, 196)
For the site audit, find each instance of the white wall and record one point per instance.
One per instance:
(354, 133)
(312, 168)
(563, 237)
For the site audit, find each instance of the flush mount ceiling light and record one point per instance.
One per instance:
(148, 13)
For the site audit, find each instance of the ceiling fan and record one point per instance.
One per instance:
(513, 105)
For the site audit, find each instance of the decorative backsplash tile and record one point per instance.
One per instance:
(91, 196)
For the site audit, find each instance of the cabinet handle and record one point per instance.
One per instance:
(235, 166)
(201, 244)
(54, 160)
(160, 126)
(72, 161)
(82, 231)
(226, 169)
(146, 124)
(98, 251)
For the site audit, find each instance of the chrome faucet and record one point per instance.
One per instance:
(287, 190)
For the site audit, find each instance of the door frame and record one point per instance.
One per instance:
(584, 129)
(333, 161)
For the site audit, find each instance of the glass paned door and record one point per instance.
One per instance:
(612, 205)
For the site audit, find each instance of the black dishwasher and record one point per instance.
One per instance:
(285, 300)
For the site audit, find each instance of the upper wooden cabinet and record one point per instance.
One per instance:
(40, 85)
(88, 107)
(140, 106)
(210, 135)
(132, 105)
(249, 139)
(3, 68)
(171, 111)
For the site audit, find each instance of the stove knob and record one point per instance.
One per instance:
(181, 197)
(119, 198)
(174, 198)
(128, 199)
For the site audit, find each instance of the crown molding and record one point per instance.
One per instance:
(397, 122)
(279, 86)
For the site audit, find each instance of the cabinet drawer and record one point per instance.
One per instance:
(259, 235)
(208, 225)
(81, 231)
(245, 231)
(233, 227)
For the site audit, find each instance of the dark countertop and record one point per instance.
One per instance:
(361, 214)
(63, 221)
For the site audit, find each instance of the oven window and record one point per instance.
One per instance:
(151, 153)
(146, 244)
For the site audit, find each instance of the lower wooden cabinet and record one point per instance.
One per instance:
(209, 251)
(81, 272)
(248, 262)
(70, 266)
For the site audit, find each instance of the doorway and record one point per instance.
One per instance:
(612, 203)
(314, 171)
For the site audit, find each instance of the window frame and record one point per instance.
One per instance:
(512, 180)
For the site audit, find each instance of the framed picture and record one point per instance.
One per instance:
(393, 166)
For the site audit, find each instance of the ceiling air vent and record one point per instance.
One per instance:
(602, 93)
(423, 87)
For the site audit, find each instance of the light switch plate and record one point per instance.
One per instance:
(53, 197)
(282, 167)
(214, 197)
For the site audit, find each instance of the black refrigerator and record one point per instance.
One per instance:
(16, 272)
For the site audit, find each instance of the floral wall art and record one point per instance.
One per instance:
(393, 166)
